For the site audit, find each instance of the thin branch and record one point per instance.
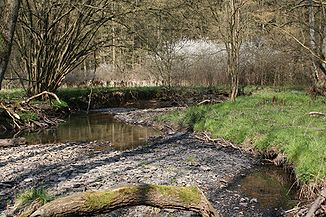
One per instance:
(41, 94)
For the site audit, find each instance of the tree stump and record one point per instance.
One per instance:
(91, 203)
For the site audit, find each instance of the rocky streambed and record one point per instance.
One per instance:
(177, 159)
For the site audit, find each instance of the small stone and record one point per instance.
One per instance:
(76, 185)
(243, 204)
(236, 208)
(205, 168)
(169, 210)
(254, 200)
(242, 200)
(62, 179)
(28, 179)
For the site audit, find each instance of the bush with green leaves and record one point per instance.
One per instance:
(56, 105)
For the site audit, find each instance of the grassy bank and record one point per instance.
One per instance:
(269, 120)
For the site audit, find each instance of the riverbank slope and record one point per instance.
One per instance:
(287, 125)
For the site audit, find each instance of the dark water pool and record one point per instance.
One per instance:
(272, 186)
(100, 127)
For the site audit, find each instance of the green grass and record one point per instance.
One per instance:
(33, 194)
(10, 95)
(268, 120)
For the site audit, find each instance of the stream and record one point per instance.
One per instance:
(270, 186)
(99, 127)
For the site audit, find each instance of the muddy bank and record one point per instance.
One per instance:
(145, 97)
(178, 159)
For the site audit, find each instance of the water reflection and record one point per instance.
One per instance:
(272, 186)
(97, 126)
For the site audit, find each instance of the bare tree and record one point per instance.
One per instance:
(56, 36)
(231, 27)
(305, 24)
(8, 21)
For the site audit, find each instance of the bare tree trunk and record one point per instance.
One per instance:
(90, 203)
(11, 8)
(233, 47)
(312, 38)
(318, 68)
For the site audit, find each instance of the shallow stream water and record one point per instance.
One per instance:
(98, 126)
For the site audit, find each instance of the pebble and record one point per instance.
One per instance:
(254, 200)
(28, 179)
(243, 204)
(242, 200)
(205, 168)
(62, 179)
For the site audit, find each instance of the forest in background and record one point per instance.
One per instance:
(171, 43)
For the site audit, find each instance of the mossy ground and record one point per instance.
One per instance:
(269, 120)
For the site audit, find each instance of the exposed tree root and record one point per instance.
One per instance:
(44, 93)
(90, 203)
(11, 113)
(14, 117)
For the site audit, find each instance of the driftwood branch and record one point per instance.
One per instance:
(204, 102)
(205, 137)
(317, 203)
(41, 94)
(91, 203)
(317, 114)
(15, 117)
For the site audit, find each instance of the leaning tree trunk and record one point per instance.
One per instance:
(10, 12)
(91, 203)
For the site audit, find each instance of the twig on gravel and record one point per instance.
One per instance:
(205, 137)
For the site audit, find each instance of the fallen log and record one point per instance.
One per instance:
(91, 203)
